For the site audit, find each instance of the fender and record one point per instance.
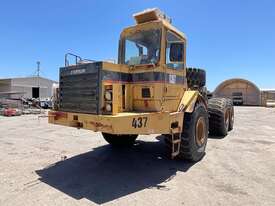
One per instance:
(189, 100)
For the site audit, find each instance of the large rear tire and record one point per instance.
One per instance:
(119, 140)
(221, 116)
(195, 135)
(196, 78)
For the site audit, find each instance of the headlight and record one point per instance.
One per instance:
(108, 107)
(108, 95)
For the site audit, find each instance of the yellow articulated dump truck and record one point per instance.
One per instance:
(149, 91)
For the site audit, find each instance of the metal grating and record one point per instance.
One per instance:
(80, 87)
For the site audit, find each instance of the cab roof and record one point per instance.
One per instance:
(153, 24)
(152, 18)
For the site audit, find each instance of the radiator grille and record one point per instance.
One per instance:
(80, 88)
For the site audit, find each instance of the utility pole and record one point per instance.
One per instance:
(38, 73)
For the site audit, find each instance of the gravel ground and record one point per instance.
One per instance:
(43, 164)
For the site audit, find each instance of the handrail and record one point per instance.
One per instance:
(77, 58)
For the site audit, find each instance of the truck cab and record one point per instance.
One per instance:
(154, 53)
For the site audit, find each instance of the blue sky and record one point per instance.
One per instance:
(227, 38)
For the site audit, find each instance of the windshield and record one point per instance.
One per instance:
(142, 47)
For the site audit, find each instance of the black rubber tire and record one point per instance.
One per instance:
(196, 78)
(189, 149)
(119, 140)
(220, 110)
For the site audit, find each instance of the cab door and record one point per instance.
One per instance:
(175, 81)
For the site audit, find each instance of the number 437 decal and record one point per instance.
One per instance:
(139, 122)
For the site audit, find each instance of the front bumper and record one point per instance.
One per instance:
(122, 123)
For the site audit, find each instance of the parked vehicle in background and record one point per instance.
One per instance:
(237, 98)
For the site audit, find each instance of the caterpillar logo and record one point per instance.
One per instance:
(78, 71)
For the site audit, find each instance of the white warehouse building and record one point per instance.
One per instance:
(27, 87)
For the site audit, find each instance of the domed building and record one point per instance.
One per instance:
(241, 91)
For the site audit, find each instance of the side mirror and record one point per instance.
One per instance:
(176, 52)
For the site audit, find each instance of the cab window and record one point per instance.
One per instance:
(142, 47)
(174, 51)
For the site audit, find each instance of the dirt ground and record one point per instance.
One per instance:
(42, 164)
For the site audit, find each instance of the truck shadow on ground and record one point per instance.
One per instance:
(106, 173)
(217, 137)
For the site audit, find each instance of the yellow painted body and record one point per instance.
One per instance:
(163, 110)
(121, 123)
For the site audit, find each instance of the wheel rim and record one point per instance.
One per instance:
(200, 131)
(232, 118)
(227, 114)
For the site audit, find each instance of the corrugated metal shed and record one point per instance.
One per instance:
(28, 87)
(267, 95)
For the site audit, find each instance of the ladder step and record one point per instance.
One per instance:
(174, 154)
(175, 140)
(176, 130)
